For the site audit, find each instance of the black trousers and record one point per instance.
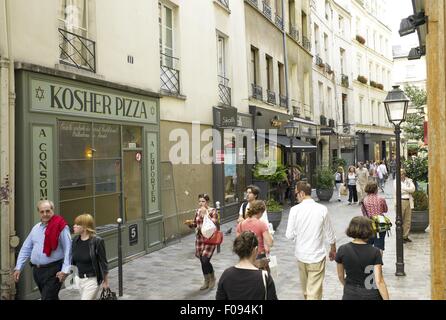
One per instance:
(357, 293)
(47, 282)
(206, 265)
(352, 193)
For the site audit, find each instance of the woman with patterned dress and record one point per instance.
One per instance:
(204, 251)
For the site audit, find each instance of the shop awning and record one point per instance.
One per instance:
(285, 141)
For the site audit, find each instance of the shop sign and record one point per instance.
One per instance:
(152, 151)
(228, 117)
(326, 131)
(42, 165)
(76, 100)
(138, 156)
(133, 234)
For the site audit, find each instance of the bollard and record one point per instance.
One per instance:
(217, 204)
(119, 220)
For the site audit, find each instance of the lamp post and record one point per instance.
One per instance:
(292, 130)
(396, 104)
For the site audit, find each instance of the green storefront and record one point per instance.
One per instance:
(90, 146)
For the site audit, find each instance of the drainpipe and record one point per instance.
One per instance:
(8, 240)
(285, 56)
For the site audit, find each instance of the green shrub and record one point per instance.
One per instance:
(273, 206)
(420, 200)
(269, 171)
(324, 178)
(417, 168)
(338, 162)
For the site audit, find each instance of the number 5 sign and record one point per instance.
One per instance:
(133, 234)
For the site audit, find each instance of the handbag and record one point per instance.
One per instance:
(380, 223)
(273, 266)
(215, 239)
(107, 294)
(208, 228)
(262, 264)
(343, 191)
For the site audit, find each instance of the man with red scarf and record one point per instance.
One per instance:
(48, 246)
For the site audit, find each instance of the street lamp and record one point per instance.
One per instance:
(396, 104)
(292, 130)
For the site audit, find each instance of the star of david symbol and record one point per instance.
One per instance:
(40, 93)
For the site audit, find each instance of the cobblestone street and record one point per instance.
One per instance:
(173, 273)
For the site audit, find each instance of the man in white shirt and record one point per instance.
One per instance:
(407, 188)
(308, 223)
(382, 173)
(363, 179)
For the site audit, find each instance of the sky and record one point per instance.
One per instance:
(398, 10)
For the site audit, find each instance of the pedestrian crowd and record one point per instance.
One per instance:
(53, 254)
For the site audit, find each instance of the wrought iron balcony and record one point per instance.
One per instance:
(328, 68)
(224, 3)
(308, 112)
(224, 91)
(283, 101)
(77, 51)
(279, 21)
(323, 121)
(170, 75)
(267, 10)
(319, 61)
(331, 123)
(297, 111)
(344, 80)
(306, 43)
(294, 33)
(255, 3)
(271, 96)
(257, 92)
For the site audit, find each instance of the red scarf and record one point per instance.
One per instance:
(55, 226)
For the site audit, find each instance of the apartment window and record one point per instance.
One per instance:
(304, 24)
(387, 46)
(384, 77)
(308, 110)
(327, 10)
(326, 48)
(341, 24)
(282, 89)
(342, 60)
(372, 111)
(370, 70)
(375, 47)
(410, 71)
(292, 13)
(361, 109)
(269, 73)
(321, 98)
(381, 49)
(221, 55)
(329, 101)
(73, 16)
(389, 79)
(278, 4)
(316, 39)
(358, 64)
(344, 109)
(358, 26)
(378, 74)
(254, 65)
(166, 35)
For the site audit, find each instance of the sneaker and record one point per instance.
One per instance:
(407, 240)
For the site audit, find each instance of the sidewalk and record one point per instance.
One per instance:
(174, 273)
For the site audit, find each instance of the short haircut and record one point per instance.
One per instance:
(86, 221)
(371, 187)
(205, 196)
(244, 244)
(360, 228)
(254, 189)
(303, 186)
(258, 206)
(45, 201)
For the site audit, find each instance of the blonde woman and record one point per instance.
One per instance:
(88, 255)
(339, 180)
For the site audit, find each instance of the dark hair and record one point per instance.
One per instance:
(258, 206)
(254, 189)
(360, 228)
(371, 187)
(205, 196)
(244, 244)
(303, 186)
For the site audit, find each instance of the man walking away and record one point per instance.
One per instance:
(308, 223)
(48, 246)
(407, 188)
(363, 179)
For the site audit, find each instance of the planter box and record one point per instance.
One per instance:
(274, 218)
(324, 194)
(420, 221)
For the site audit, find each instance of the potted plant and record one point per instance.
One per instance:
(267, 175)
(362, 79)
(417, 169)
(360, 39)
(274, 210)
(324, 184)
(420, 212)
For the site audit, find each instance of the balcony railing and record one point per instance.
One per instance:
(319, 61)
(308, 112)
(267, 10)
(257, 91)
(328, 68)
(283, 101)
(255, 3)
(271, 95)
(170, 75)
(306, 43)
(344, 81)
(297, 111)
(279, 21)
(224, 91)
(323, 120)
(77, 51)
(224, 3)
(294, 33)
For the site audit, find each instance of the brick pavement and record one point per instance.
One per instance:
(173, 273)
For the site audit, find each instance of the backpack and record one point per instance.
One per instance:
(244, 205)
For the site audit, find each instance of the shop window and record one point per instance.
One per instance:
(131, 137)
(230, 169)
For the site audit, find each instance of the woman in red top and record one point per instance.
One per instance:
(204, 251)
(374, 205)
(255, 225)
